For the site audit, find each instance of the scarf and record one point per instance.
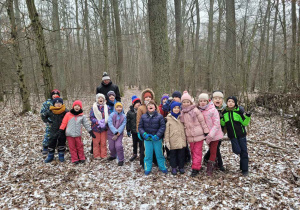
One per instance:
(202, 108)
(58, 110)
(98, 114)
(175, 115)
(76, 113)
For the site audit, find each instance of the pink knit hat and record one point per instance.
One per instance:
(186, 96)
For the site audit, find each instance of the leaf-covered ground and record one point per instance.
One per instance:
(27, 182)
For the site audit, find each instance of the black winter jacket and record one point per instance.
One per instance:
(131, 120)
(104, 89)
(56, 120)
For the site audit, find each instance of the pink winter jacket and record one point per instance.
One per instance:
(212, 119)
(194, 124)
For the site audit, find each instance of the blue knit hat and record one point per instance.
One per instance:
(162, 98)
(173, 104)
(176, 94)
(57, 100)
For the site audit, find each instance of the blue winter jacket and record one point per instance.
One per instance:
(154, 124)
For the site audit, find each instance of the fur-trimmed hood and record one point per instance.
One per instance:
(149, 91)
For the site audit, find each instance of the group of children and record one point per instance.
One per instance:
(177, 123)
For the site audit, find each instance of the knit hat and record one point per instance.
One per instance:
(234, 99)
(173, 104)
(111, 92)
(57, 100)
(163, 97)
(218, 93)
(186, 96)
(203, 96)
(176, 94)
(77, 102)
(152, 102)
(99, 95)
(105, 76)
(135, 99)
(55, 91)
(118, 104)
(148, 94)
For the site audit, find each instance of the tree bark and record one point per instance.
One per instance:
(41, 47)
(209, 50)
(157, 10)
(293, 47)
(196, 52)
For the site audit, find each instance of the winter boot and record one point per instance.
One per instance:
(120, 163)
(45, 150)
(61, 156)
(210, 167)
(174, 171)
(165, 171)
(111, 158)
(133, 158)
(82, 161)
(181, 170)
(245, 173)
(147, 173)
(194, 173)
(50, 157)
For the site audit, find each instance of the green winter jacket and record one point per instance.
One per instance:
(235, 122)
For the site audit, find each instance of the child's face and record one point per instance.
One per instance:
(230, 103)
(176, 109)
(186, 103)
(148, 98)
(176, 99)
(54, 96)
(218, 101)
(119, 109)
(137, 105)
(100, 100)
(151, 108)
(112, 97)
(57, 104)
(203, 102)
(76, 108)
(164, 100)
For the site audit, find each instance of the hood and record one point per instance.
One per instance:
(145, 91)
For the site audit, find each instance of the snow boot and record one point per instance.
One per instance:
(210, 167)
(165, 171)
(61, 156)
(181, 170)
(174, 171)
(111, 158)
(147, 173)
(50, 157)
(194, 173)
(82, 161)
(133, 158)
(120, 163)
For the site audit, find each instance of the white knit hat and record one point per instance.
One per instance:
(105, 76)
(218, 94)
(203, 96)
(100, 95)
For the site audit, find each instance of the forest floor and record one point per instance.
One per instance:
(27, 182)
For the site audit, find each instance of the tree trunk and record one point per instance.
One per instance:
(283, 24)
(179, 57)
(196, 52)
(209, 50)
(41, 47)
(19, 60)
(298, 49)
(230, 47)
(219, 70)
(119, 71)
(158, 28)
(293, 47)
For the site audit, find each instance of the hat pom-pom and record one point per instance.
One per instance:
(185, 92)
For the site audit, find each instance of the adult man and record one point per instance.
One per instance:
(106, 86)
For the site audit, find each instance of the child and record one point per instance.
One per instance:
(163, 100)
(72, 122)
(131, 125)
(116, 124)
(235, 123)
(147, 95)
(175, 139)
(99, 117)
(176, 96)
(195, 130)
(218, 100)
(111, 99)
(152, 127)
(45, 107)
(54, 116)
(212, 120)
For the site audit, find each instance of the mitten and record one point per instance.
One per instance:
(248, 114)
(92, 134)
(139, 136)
(145, 136)
(101, 123)
(168, 145)
(155, 138)
(129, 134)
(205, 134)
(114, 137)
(208, 140)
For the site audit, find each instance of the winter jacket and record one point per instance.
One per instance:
(74, 124)
(194, 123)
(174, 133)
(235, 122)
(94, 120)
(154, 124)
(131, 120)
(212, 120)
(54, 119)
(143, 109)
(162, 112)
(104, 89)
(116, 123)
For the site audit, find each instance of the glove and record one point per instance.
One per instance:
(205, 134)
(92, 134)
(101, 123)
(114, 137)
(168, 145)
(170, 99)
(208, 140)
(248, 114)
(129, 134)
(139, 136)
(59, 133)
(155, 138)
(145, 136)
